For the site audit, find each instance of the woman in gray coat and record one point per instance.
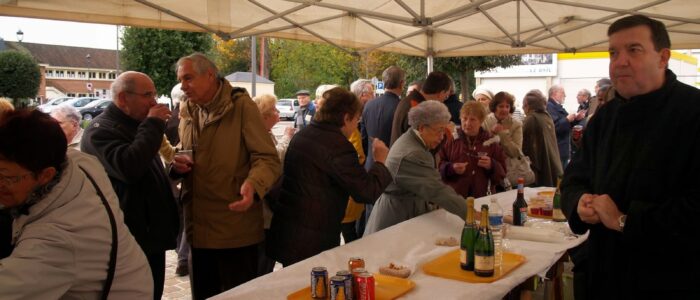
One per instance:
(416, 187)
(540, 140)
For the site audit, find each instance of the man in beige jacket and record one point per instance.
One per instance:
(232, 164)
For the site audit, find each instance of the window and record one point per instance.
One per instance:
(81, 75)
(71, 95)
(49, 73)
(112, 76)
(71, 74)
(93, 75)
(103, 75)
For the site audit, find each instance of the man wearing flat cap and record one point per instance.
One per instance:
(306, 110)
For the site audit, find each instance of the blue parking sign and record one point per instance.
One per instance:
(380, 85)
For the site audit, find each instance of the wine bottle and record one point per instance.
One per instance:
(520, 206)
(557, 214)
(466, 249)
(484, 259)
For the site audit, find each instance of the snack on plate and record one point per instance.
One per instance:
(447, 242)
(395, 270)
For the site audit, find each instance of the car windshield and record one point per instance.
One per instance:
(284, 102)
(94, 103)
(82, 102)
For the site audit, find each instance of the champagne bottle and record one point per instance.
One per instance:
(557, 214)
(484, 259)
(520, 206)
(466, 249)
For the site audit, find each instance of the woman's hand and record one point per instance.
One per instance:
(485, 162)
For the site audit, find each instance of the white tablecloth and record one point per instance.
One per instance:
(412, 243)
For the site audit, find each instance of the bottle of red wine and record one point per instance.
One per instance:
(520, 206)
(466, 248)
(484, 250)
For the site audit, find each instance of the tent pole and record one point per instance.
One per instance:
(430, 52)
(253, 74)
(430, 63)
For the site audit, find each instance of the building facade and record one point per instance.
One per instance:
(71, 71)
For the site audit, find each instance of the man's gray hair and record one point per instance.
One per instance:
(427, 113)
(393, 76)
(200, 62)
(360, 86)
(67, 112)
(555, 88)
(123, 83)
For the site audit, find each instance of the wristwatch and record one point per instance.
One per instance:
(621, 220)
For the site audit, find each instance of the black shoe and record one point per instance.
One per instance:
(182, 270)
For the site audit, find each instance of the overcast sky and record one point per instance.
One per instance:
(59, 32)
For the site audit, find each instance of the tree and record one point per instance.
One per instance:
(461, 68)
(154, 52)
(232, 55)
(20, 77)
(305, 65)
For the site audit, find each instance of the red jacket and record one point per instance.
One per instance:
(474, 181)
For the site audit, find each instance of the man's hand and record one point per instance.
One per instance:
(459, 167)
(379, 150)
(607, 211)
(159, 111)
(571, 117)
(182, 163)
(580, 115)
(585, 209)
(247, 200)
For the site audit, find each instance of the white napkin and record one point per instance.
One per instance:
(535, 234)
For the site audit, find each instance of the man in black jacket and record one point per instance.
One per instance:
(126, 138)
(632, 185)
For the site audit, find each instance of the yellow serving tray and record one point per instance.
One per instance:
(385, 288)
(447, 266)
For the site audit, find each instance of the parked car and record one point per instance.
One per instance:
(79, 102)
(287, 108)
(94, 108)
(51, 104)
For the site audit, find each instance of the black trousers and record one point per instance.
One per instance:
(157, 263)
(214, 271)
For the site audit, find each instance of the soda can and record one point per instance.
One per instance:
(338, 288)
(319, 283)
(356, 262)
(577, 132)
(365, 286)
(348, 283)
(356, 272)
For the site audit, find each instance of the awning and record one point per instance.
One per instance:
(415, 27)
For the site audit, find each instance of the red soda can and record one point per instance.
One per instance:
(577, 132)
(355, 262)
(365, 286)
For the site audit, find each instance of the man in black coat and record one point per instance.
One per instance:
(633, 185)
(563, 121)
(126, 138)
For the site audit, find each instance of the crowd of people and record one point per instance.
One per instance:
(91, 213)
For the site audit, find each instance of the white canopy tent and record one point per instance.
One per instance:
(414, 27)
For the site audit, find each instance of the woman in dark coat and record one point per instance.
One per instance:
(472, 163)
(321, 169)
(540, 140)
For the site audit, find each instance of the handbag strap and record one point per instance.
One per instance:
(115, 243)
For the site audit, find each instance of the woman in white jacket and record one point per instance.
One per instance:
(62, 230)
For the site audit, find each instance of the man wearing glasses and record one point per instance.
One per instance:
(126, 138)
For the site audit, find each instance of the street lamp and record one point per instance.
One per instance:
(20, 35)
(89, 84)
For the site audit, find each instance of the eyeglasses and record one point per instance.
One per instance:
(10, 180)
(149, 95)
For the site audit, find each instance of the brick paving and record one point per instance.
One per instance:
(176, 287)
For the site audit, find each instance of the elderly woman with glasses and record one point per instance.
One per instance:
(68, 232)
(417, 185)
(473, 163)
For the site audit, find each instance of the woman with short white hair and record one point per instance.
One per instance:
(69, 118)
(417, 184)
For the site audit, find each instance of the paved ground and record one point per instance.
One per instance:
(175, 287)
